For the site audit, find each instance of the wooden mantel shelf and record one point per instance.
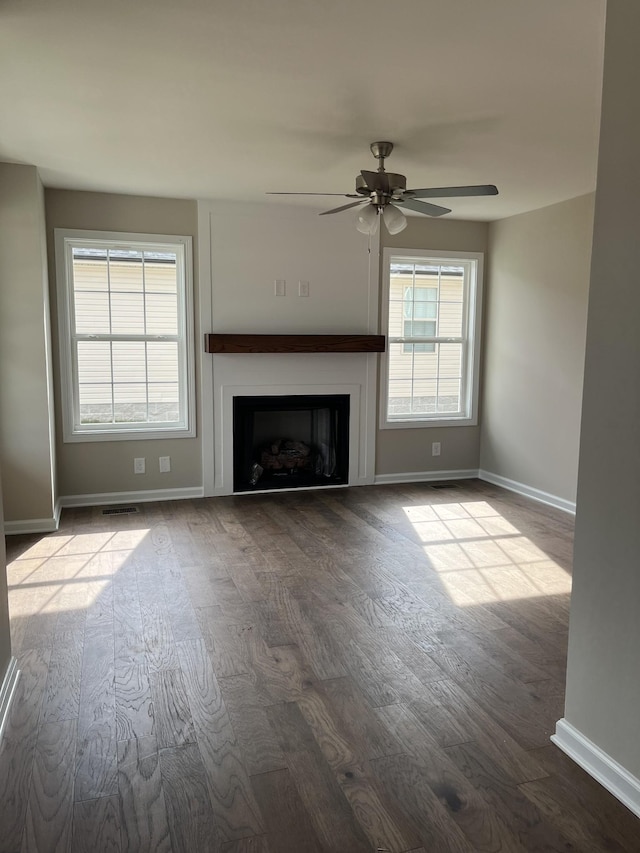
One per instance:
(228, 344)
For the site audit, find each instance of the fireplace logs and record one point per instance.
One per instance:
(286, 454)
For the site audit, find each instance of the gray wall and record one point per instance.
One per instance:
(26, 423)
(407, 450)
(107, 466)
(535, 329)
(603, 688)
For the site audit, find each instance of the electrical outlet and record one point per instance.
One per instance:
(435, 448)
(280, 288)
(165, 464)
(139, 465)
(303, 288)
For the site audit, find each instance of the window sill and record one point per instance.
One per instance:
(127, 435)
(428, 423)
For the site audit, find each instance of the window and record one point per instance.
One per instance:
(124, 304)
(433, 323)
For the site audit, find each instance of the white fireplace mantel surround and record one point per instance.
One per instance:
(243, 250)
(251, 376)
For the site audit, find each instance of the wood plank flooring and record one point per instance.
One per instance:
(335, 671)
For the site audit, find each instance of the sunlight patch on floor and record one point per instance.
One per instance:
(481, 557)
(68, 572)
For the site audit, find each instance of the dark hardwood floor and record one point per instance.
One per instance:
(370, 669)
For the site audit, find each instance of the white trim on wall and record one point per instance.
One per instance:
(46, 525)
(7, 692)
(35, 525)
(375, 252)
(604, 769)
(147, 496)
(473, 473)
(426, 476)
(528, 491)
(50, 525)
(205, 324)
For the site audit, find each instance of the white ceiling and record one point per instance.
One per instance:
(233, 98)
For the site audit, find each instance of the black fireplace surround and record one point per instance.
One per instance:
(290, 441)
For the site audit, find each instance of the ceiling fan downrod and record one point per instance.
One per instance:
(380, 151)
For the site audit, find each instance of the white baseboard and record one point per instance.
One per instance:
(147, 496)
(425, 476)
(598, 764)
(35, 525)
(487, 476)
(7, 692)
(527, 491)
(49, 525)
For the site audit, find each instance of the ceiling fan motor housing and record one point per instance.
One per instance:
(397, 185)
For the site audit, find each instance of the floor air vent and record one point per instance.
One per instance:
(119, 510)
(444, 486)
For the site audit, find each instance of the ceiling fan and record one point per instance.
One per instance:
(385, 193)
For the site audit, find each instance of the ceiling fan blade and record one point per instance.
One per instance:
(344, 207)
(376, 181)
(453, 192)
(423, 207)
(342, 195)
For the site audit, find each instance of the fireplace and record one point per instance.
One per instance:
(351, 375)
(290, 441)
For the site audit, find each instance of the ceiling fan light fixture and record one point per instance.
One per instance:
(394, 219)
(367, 221)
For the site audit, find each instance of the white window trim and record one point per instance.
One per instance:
(473, 321)
(72, 432)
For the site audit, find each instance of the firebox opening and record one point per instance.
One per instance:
(293, 441)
